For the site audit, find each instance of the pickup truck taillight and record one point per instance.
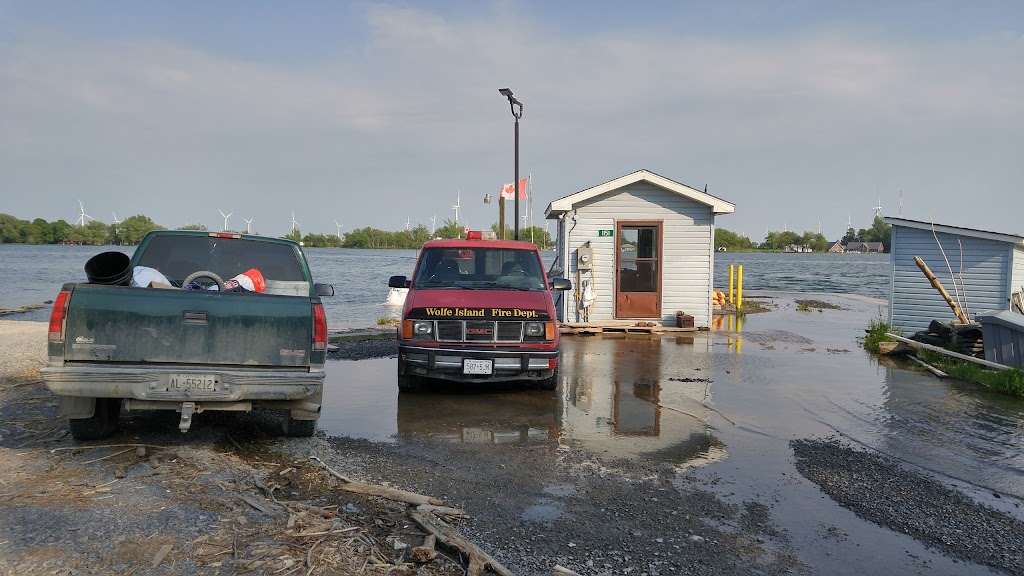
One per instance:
(319, 327)
(57, 316)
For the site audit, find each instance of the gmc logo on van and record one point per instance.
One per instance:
(478, 331)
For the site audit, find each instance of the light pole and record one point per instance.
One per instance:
(513, 103)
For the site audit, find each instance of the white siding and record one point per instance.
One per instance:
(984, 266)
(686, 257)
(1017, 277)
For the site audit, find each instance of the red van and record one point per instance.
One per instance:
(478, 310)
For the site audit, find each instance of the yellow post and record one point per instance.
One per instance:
(739, 339)
(731, 270)
(739, 287)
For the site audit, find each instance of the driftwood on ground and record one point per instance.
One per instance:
(450, 537)
(916, 344)
(390, 493)
(929, 367)
(426, 552)
(891, 348)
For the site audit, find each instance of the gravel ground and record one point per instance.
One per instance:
(364, 349)
(883, 491)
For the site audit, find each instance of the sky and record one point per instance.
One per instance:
(802, 113)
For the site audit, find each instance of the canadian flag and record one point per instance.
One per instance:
(508, 194)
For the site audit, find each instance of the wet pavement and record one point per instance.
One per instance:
(721, 407)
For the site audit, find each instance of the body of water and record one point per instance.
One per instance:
(34, 274)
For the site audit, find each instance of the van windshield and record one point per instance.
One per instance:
(480, 268)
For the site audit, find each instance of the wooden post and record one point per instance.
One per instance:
(938, 286)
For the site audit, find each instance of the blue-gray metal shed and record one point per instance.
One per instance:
(979, 269)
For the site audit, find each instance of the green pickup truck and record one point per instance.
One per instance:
(191, 343)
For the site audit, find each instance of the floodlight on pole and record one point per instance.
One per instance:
(517, 114)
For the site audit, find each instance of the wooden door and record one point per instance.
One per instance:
(638, 269)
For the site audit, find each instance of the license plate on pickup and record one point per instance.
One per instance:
(196, 382)
(477, 366)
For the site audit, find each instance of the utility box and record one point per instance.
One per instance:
(1002, 335)
(584, 258)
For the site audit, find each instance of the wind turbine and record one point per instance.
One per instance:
(878, 208)
(819, 227)
(339, 229)
(225, 219)
(82, 215)
(407, 222)
(900, 213)
(456, 206)
(248, 225)
(294, 223)
(433, 225)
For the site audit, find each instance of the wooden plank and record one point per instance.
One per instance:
(917, 344)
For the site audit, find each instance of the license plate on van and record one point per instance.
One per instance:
(477, 366)
(196, 382)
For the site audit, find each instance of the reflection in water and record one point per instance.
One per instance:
(733, 324)
(476, 416)
(638, 398)
(618, 397)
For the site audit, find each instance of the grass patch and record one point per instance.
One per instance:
(382, 321)
(876, 334)
(1009, 382)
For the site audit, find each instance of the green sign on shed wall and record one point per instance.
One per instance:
(605, 233)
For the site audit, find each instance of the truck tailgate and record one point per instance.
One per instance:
(152, 325)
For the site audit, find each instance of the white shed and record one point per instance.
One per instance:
(987, 267)
(640, 247)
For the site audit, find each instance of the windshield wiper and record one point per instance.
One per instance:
(443, 284)
(504, 286)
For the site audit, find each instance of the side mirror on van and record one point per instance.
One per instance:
(561, 284)
(398, 282)
(323, 289)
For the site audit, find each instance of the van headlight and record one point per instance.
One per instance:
(423, 329)
(534, 329)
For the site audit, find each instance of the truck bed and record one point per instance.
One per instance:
(125, 325)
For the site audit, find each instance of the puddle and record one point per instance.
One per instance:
(736, 395)
(541, 513)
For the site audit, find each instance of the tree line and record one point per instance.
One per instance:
(815, 241)
(131, 230)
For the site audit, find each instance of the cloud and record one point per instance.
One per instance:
(416, 103)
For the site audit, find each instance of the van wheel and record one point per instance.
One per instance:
(408, 382)
(549, 383)
(101, 424)
(298, 428)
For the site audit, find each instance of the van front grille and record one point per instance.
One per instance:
(479, 331)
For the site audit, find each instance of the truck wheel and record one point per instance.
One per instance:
(298, 428)
(408, 382)
(101, 424)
